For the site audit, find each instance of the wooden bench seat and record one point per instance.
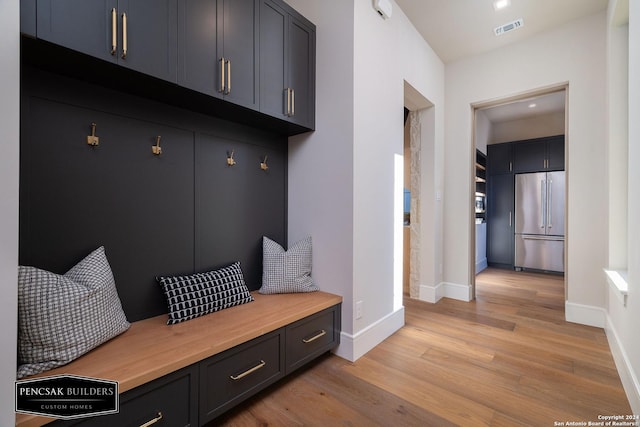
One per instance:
(151, 349)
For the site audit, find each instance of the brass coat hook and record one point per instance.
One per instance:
(156, 149)
(230, 160)
(92, 139)
(263, 164)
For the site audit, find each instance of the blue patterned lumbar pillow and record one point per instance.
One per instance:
(62, 317)
(286, 271)
(198, 294)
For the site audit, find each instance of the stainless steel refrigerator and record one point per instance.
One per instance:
(539, 221)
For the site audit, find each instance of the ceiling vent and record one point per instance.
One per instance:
(513, 25)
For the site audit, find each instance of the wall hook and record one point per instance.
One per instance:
(156, 149)
(92, 139)
(263, 164)
(230, 160)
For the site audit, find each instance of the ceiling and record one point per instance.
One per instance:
(458, 28)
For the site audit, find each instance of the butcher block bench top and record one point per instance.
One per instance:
(150, 348)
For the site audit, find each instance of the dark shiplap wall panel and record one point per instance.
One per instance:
(177, 213)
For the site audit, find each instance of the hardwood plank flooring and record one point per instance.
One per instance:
(506, 359)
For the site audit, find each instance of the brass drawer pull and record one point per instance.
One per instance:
(153, 421)
(262, 364)
(114, 30)
(315, 337)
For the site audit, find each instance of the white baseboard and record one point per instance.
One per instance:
(352, 347)
(481, 265)
(625, 369)
(434, 294)
(585, 314)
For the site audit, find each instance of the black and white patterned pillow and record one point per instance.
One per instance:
(61, 317)
(286, 271)
(202, 293)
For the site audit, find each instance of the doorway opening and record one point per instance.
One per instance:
(511, 134)
(422, 177)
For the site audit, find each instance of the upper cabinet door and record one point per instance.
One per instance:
(302, 42)
(148, 37)
(198, 61)
(287, 65)
(499, 159)
(529, 156)
(137, 34)
(237, 47)
(273, 64)
(555, 154)
(217, 52)
(82, 25)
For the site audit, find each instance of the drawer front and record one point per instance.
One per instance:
(171, 400)
(312, 336)
(237, 374)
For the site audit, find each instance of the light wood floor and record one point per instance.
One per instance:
(507, 359)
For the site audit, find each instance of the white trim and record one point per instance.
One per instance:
(434, 294)
(585, 314)
(481, 265)
(352, 347)
(625, 369)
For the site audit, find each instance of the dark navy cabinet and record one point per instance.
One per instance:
(140, 34)
(217, 49)
(537, 155)
(499, 159)
(500, 210)
(287, 64)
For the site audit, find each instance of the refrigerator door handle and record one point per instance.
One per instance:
(546, 238)
(549, 204)
(543, 203)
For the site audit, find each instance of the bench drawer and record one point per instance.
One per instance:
(312, 336)
(237, 374)
(170, 399)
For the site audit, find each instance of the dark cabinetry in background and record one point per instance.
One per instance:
(140, 34)
(500, 205)
(544, 154)
(503, 162)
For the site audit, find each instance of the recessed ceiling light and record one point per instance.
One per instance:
(501, 4)
(533, 105)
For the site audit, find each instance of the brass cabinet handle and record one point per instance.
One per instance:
(293, 102)
(287, 93)
(124, 36)
(315, 337)
(262, 364)
(228, 89)
(221, 89)
(153, 421)
(114, 31)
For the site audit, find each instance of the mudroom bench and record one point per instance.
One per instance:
(189, 373)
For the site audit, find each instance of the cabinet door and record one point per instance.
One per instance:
(302, 72)
(237, 43)
(273, 68)
(500, 220)
(82, 25)
(148, 37)
(145, 31)
(198, 62)
(499, 158)
(555, 154)
(529, 156)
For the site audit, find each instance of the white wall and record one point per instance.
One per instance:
(341, 177)
(575, 54)
(9, 149)
(528, 128)
(624, 142)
